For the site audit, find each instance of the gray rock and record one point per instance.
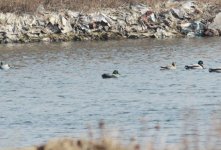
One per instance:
(149, 16)
(46, 39)
(65, 25)
(131, 20)
(196, 27)
(139, 8)
(216, 24)
(175, 18)
(191, 34)
(73, 14)
(178, 13)
(40, 9)
(190, 6)
(165, 33)
(100, 18)
(133, 35)
(212, 32)
(12, 37)
(147, 35)
(53, 28)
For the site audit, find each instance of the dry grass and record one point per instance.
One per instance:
(21, 6)
(26, 6)
(190, 141)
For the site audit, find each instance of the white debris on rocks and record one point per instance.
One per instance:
(175, 19)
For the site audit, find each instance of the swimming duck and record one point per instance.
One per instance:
(115, 74)
(218, 70)
(4, 66)
(195, 66)
(169, 67)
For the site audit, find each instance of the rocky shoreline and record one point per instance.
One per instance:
(171, 19)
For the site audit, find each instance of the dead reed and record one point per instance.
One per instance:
(27, 6)
(192, 139)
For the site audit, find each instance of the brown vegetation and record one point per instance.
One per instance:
(30, 6)
(27, 6)
(190, 141)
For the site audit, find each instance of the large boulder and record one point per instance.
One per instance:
(65, 25)
(162, 33)
(214, 29)
(178, 13)
(195, 28)
(216, 24)
(189, 6)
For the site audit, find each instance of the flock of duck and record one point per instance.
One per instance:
(116, 74)
(199, 65)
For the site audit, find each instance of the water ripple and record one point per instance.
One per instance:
(53, 92)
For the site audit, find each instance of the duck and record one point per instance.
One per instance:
(115, 74)
(4, 66)
(169, 67)
(217, 70)
(195, 66)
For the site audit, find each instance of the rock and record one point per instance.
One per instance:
(53, 28)
(131, 20)
(149, 16)
(133, 35)
(84, 20)
(191, 34)
(175, 18)
(65, 25)
(53, 19)
(3, 33)
(212, 32)
(161, 33)
(46, 39)
(115, 35)
(152, 17)
(189, 6)
(196, 27)
(40, 9)
(11, 38)
(11, 18)
(100, 18)
(40, 22)
(136, 28)
(147, 35)
(73, 14)
(178, 13)
(139, 8)
(216, 24)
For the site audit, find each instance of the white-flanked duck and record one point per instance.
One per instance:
(218, 70)
(115, 74)
(195, 66)
(169, 67)
(4, 66)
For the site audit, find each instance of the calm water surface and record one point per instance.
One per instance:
(56, 90)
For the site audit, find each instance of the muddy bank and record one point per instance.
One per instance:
(169, 20)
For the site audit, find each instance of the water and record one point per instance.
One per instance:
(56, 90)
